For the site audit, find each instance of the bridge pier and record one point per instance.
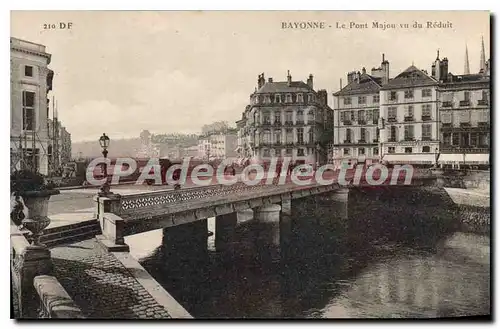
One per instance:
(224, 231)
(186, 242)
(340, 200)
(268, 231)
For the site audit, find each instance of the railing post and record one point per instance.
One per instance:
(27, 262)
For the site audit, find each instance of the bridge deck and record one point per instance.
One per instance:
(100, 285)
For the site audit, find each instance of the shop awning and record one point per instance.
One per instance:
(410, 158)
(454, 158)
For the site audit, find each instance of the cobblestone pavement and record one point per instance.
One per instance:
(100, 285)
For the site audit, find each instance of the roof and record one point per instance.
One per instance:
(283, 87)
(411, 77)
(367, 85)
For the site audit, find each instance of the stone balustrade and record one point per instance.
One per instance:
(54, 300)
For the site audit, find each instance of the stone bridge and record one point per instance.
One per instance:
(123, 215)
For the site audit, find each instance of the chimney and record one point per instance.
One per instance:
(443, 70)
(323, 97)
(270, 80)
(385, 70)
(310, 81)
(289, 78)
(358, 74)
(363, 71)
(350, 77)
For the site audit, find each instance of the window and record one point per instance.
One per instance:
(375, 151)
(342, 115)
(347, 100)
(361, 115)
(361, 151)
(426, 111)
(376, 99)
(277, 98)
(266, 117)
(363, 134)
(408, 93)
(288, 98)
(348, 134)
(300, 116)
(300, 152)
(408, 150)
(409, 132)
(300, 98)
(28, 71)
(310, 116)
(311, 136)
(267, 153)
(426, 149)
(289, 116)
(466, 95)
(409, 111)
(28, 110)
(362, 100)
(288, 151)
(257, 99)
(369, 116)
(31, 160)
(375, 116)
(454, 139)
(393, 96)
(426, 132)
(300, 135)
(391, 149)
(391, 112)
(378, 134)
(394, 133)
(277, 117)
(310, 98)
(473, 139)
(426, 93)
(346, 151)
(353, 115)
(485, 95)
(267, 136)
(267, 99)
(289, 135)
(446, 138)
(277, 136)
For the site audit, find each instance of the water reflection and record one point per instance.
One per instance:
(400, 263)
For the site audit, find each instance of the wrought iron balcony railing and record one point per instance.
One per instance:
(464, 103)
(426, 118)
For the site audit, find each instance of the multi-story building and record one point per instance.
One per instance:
(465, 117)
(30, 82)
(218, 145)
(65, 146)
(356, 115)
(409, 116)
(59, 148)
(285, 119)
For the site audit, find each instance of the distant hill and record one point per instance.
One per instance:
(117, 148)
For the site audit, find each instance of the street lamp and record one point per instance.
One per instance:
(104, 142)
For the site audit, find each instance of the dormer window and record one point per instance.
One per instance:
(300, 98)
(310, 97)
(288, 98)
(347, 100)
(277, 98)
(257, 99)
(267, 99)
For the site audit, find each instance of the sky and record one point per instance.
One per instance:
(120, 72)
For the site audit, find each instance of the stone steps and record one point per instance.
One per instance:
(71, 233)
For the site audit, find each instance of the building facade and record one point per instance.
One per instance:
(285, 119)
(30, 82)
(218, 145)
(464, 104)
(356, 116)
(65, 146)
(409, 125)
(59, 148)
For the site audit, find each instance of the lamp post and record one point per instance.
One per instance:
(104, 142)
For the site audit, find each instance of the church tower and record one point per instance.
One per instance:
(482, 63)
(466, 66)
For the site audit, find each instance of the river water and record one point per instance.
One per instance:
(392, 258)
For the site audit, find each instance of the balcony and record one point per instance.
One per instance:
(277, 122)
(299, 122)
(288, 123)
(426, 118)
(392, 140)
(375, 121)
(464, 103)
(266, 124)
(464, 124)
(392, 119)
(347, 141)
(482, 102)
(375, 140)
(393, 99)
(347, 122)
(426, 138)
(483, 124)
(361, 141)
(300, 143)
(361, 122)
(409, 139)
(409, 118)
(447, 104)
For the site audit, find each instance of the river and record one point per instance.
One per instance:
(389, 259)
